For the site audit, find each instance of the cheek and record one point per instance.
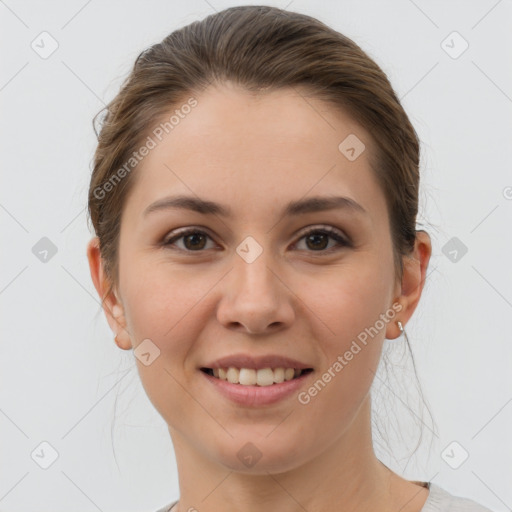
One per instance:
(165, 307)
(351, 306)
(352, 300)
(162, 304)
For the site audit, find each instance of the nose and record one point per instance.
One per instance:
(255, 298)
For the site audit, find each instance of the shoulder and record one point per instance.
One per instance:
(168, 507)
(440, 500)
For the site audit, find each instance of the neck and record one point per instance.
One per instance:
(346, 475)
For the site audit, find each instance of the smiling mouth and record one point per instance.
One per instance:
(252, 377)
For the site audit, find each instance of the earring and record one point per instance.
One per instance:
(402, 331)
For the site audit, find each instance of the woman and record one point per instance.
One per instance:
(254, 196)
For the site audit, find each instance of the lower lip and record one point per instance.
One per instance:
(257, 395)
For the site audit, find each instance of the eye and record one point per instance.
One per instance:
(194, 239)
(318, 237)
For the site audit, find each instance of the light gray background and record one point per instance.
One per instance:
(61, 373)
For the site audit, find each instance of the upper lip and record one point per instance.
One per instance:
(256, 362)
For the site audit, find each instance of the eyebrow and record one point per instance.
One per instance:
(299, 207)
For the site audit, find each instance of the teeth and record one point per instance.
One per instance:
(252, 377)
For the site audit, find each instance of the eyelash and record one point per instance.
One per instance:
(332, 233)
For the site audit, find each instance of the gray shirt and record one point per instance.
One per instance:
(438, 500)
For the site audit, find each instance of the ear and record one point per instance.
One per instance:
(413, 280)
(112, 307)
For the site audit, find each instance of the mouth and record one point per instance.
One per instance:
(256, 377)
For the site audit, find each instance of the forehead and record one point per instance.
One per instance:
(255, 151)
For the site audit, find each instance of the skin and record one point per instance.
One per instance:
(255, 154)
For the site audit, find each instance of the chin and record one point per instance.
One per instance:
(261, 457)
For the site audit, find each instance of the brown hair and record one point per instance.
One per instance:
(257, 47)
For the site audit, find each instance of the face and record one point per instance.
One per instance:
(254, 281)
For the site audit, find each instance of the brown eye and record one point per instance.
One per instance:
(193, 240)
(317, 239)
